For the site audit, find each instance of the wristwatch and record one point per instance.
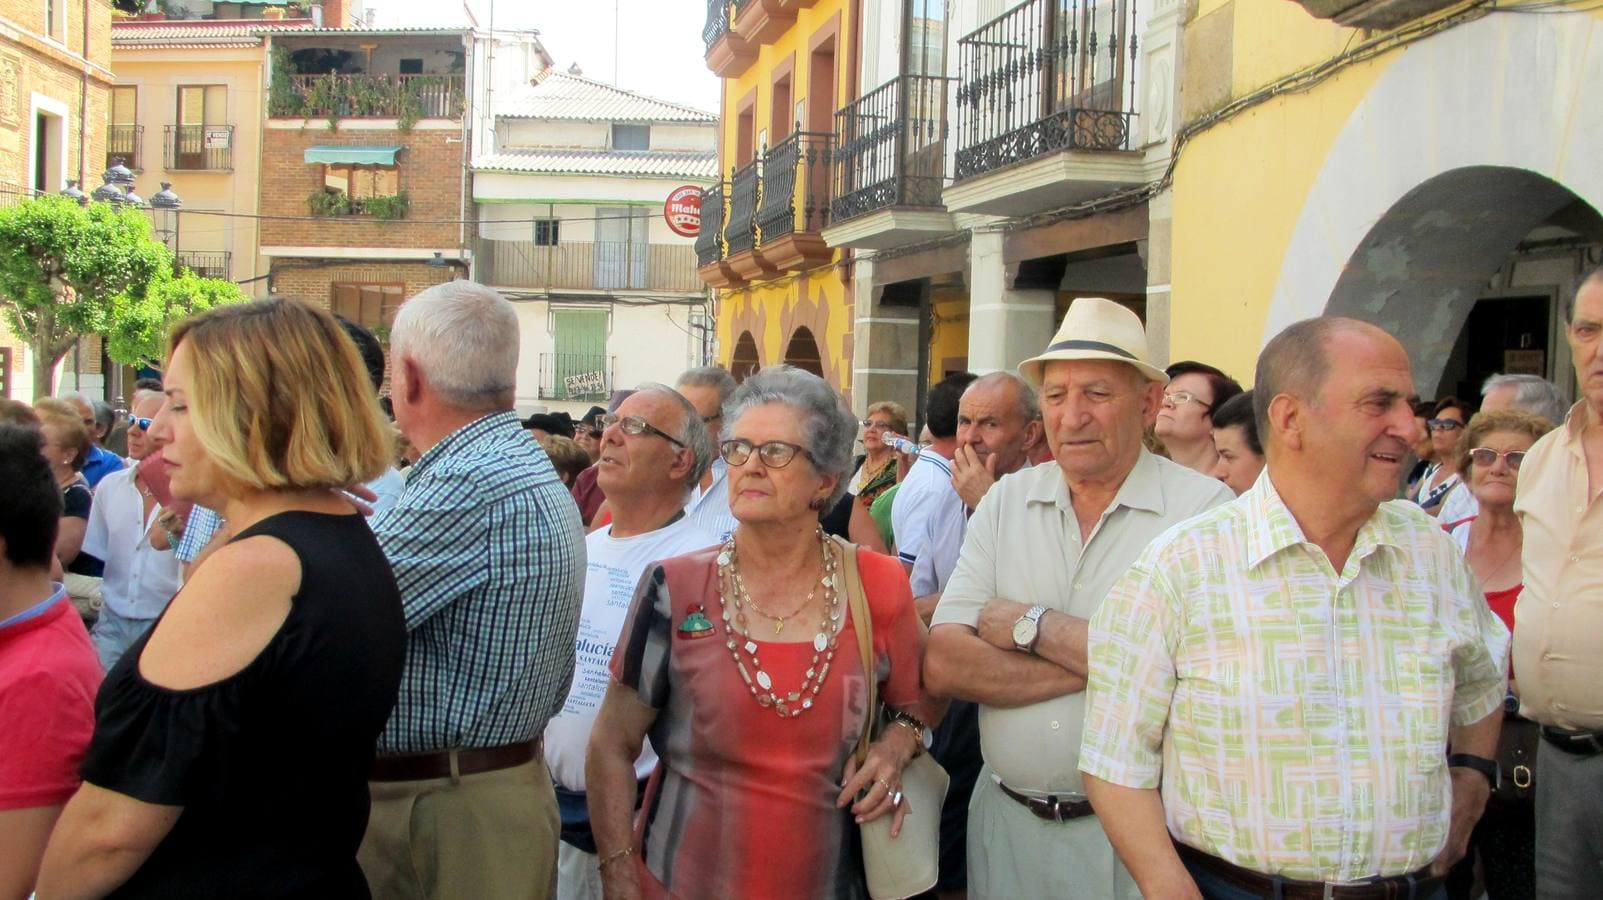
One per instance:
(1027, 630)
(1481, 764)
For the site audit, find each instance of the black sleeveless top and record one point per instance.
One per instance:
(270, 764)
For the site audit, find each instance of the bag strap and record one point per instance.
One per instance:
(857, 601)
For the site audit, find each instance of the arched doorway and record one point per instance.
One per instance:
(743, 362)
(1445, 190)
(802, 352)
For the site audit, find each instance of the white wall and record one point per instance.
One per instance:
(651, 343)
(588, 188)
(703, 138)
(514, 134)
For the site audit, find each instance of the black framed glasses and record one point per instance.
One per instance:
(139, 422)
(635, 426)
(1485, 457)
(774, 454)
(1443, 424)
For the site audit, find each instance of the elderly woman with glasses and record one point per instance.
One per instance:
(875, 472)
(1441, 480)
(1489, 455)
(740, 663)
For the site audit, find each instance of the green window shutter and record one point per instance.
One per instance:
(580, 347)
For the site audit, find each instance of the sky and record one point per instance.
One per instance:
(660, 52)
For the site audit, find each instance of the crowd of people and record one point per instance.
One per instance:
(1167, 637)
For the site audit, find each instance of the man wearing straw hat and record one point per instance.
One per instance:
(1042, 548)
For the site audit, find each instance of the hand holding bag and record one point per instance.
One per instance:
(909, 864)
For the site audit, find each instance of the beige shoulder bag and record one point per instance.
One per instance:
(909, 864)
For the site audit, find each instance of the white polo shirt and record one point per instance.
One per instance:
(929, 519)
(139, 580)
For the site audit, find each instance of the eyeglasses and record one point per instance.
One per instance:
(1443, 424)
(1486, 456)
(774, 454)
(139, 422)
(636, 426)
(1181, 398)
(881, 424)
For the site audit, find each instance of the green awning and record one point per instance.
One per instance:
(352, 156)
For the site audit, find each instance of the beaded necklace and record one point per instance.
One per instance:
(732, 597)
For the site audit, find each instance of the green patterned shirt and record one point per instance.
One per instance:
(1296, 718)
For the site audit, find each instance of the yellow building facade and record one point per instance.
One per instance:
(783, 297)
(1433, 174)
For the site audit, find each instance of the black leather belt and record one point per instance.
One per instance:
(1414, 885)
(1051, 808)
(1580, 743)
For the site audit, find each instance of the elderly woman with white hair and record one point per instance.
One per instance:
(741, 664)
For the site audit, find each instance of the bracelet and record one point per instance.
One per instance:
(614, 856)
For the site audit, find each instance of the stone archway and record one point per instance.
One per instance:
(802, 352)
(743, 362)
(1438, 173)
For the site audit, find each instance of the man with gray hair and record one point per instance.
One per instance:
(488, 554)
(1527, 393)
(654, 449)
(708, 388)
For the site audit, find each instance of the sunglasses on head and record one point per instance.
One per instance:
(1486, 456)
(1444, 424)
(139, 422)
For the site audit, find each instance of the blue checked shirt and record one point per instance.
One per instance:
(488, 552)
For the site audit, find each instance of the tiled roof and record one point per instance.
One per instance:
(206, 32)
(638, 163)
(574, 97)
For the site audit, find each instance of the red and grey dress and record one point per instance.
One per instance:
(743, 801)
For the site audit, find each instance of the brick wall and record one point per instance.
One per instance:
(430, 173)
(311, 285)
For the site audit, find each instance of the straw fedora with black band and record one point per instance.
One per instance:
(1096, 328)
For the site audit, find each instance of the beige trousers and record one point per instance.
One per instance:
(486, 837)
(1012, 855)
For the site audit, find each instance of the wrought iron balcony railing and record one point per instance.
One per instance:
(1048, 75)
(199, 147)
(586, 266)
(890, 147)
(795, 186)
(576, 376)
(206, 263)
(710, 240)
(717, 24)
(745, 192)
(125, 142)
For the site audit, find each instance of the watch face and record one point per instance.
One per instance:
(1023, 632)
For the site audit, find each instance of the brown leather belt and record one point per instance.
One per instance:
(1051, 808)
(439, 764)
(1418, 884)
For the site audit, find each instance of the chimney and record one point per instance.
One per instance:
(334, 15)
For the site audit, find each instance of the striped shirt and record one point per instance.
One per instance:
(488, 552)
(929, 518)
(1294, 717)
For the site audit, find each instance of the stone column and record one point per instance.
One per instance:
(884, 346)
(1006, 326)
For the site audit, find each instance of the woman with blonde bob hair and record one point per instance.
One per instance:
(232, 742)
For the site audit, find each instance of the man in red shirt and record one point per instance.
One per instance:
(48, 669)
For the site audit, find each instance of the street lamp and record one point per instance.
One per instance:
(168, 204)
(118, 173)
(108, 192)
(130, 199)
(72, 193)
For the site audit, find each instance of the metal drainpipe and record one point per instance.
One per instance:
(467, 137)
(83, 102)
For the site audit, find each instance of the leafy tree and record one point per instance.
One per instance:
(67, 271)
(138, 335)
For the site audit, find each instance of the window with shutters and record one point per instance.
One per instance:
(631, 137)
(578, 368)
(371, 306)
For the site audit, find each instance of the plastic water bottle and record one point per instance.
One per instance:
(902, 445)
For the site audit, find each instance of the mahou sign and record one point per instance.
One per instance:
(683, 211)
